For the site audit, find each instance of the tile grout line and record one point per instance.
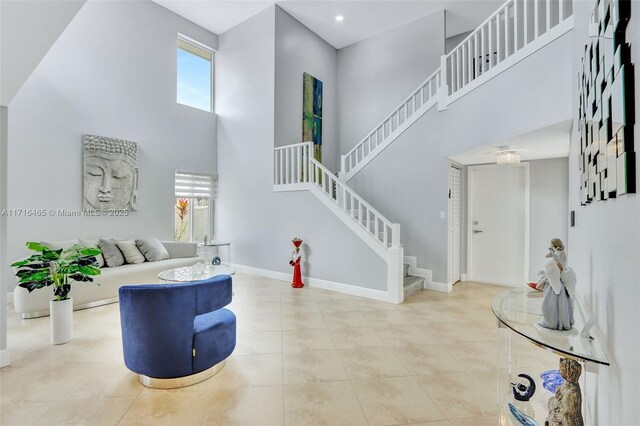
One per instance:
(353, 388)
(251, 299)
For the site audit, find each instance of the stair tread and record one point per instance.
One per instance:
(412, 284)
(411, 280)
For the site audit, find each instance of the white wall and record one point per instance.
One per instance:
(604, 249)
(111, 73)
(299, 50)
(260, 223)
(549, 190)
(28, 29)
(377, 74)
(3, 231)
(454, 41)
(408, 181)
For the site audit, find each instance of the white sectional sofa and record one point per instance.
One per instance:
(86, 295)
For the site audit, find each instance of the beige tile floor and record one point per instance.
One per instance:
(304, 356)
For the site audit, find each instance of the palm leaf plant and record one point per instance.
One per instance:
(57, 268)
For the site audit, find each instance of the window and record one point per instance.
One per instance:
(194, 205)
(194, 75)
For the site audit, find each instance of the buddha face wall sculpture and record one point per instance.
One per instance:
(110, 174)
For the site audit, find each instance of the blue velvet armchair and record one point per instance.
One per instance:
(172, 331)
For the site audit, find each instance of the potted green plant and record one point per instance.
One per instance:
(58, 268)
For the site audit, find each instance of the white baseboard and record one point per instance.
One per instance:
(261, 272)
(437, 286)
(317, 282)
(464, 277)
(5, 358)
(427, 274)
(10, 298)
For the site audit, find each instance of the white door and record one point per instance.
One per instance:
(454, 224)
(498, 229)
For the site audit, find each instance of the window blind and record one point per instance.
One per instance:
(192, 185)
(196, 50)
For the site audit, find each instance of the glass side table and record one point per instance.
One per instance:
(212, 249)
(518, 311)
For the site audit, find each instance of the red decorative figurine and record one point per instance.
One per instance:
(295, 262)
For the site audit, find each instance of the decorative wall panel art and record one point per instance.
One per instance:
(606, 118)
(312, 113)
(110, 174)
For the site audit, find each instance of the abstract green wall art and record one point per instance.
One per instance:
(312, 113)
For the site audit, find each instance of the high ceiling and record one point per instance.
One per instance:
(362, 18)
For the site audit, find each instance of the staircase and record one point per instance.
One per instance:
(295, 169)
(410, 283)
(515, 31)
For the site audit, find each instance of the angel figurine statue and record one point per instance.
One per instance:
(558, 283)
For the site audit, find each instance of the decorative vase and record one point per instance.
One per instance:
(61, 321)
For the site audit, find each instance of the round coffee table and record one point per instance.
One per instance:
(187, 274)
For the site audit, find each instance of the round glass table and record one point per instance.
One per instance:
(187, 274)
(518, 312)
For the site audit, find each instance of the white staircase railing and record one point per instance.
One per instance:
(516, 30)
(509, 30)
(296, 169)
(412, 108)
(293, 165)
(380, 228)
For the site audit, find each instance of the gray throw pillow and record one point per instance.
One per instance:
(130, 251)
(152, 249)
(112, 255)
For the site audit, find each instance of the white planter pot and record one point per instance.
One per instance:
(61, 321)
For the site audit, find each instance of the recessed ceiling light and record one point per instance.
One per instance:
(339, 18)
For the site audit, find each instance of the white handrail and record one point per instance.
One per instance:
(511, 23)
(277, 148)
(402, 104)
(334, 189)
(474, 32)
(291, 163)
(294, 166)
(499, 37)
(416, 99)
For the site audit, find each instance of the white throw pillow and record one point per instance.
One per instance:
(130, 251)
(152, 249)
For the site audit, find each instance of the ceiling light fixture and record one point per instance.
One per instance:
(508, 157)
(339, 18)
